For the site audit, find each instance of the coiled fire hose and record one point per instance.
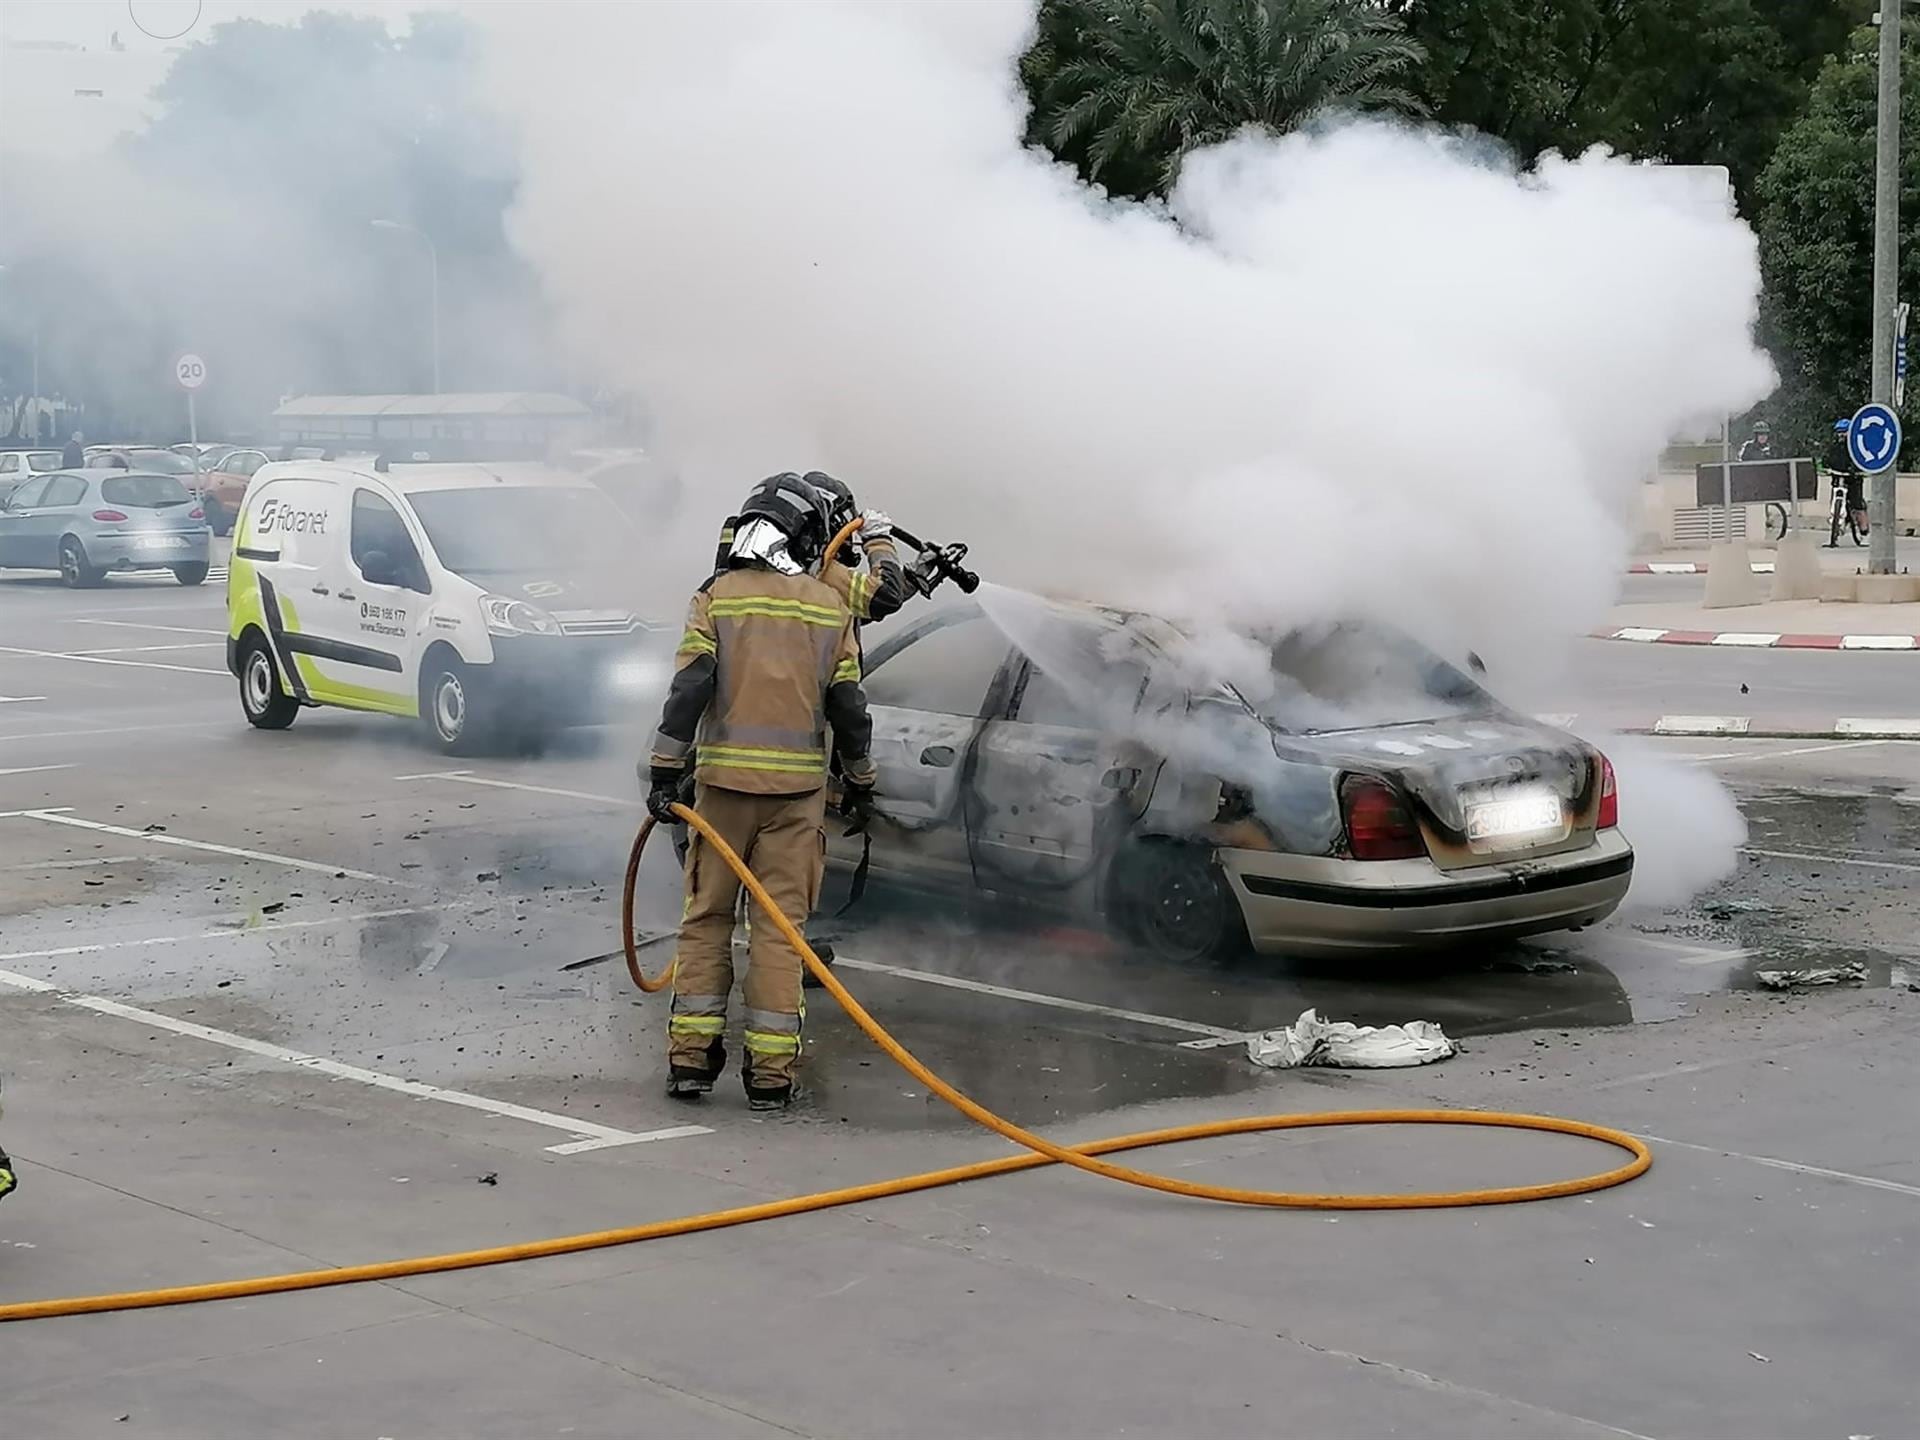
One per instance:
(1041, 1151)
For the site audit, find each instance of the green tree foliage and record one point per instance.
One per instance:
(1695, 82)
(1815, 221)
(1124, 88)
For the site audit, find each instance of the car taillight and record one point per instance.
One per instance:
(196, 513)
(1378, 825)
(1609, 797)
(112, 517)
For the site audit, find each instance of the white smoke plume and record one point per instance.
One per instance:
(1368, 371)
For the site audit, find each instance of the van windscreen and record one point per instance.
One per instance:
(514, 528)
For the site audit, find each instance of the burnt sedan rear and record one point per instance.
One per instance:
(1327, 791)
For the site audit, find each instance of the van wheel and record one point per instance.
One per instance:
(190, 574)
(452, 712)
(1172, 899)
(75, 572)
(267, 706)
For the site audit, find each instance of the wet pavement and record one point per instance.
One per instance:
(295, 928)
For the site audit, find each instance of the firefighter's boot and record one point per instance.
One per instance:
(691, 1076)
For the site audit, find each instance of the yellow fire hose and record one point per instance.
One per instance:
(1042, 1152)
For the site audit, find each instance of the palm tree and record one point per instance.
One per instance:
(1125, 88)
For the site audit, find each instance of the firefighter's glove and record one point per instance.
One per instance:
(876, 525)
(664, 792)
(856, 804)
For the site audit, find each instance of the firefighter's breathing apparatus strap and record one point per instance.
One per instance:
(1042, 1152)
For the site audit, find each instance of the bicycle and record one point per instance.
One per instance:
(1845, 510)
(1776, 523)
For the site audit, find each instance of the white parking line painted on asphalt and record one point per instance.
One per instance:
(1811, 857)
(142, 649)
(110, 660)
(87, 863)
(116, 730)
(159, 838)
(590, 1136)
(1872, 1182)
(1741, 757)
(20, 699)
(467, 777)
(139, 625)
(30, 769)
(1215, 1033)
(224, 932)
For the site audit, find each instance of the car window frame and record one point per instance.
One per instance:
(46, 500)
(998, 690)
(41, 480)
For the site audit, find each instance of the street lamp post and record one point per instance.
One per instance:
(433, 274)
(1886, 277)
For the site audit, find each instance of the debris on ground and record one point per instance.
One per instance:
(486, 875)
(1313, 1041)
(1727, 909)
(1853, 972)
(492, 1177)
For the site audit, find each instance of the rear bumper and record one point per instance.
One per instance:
(1321, 906)
(128, 552)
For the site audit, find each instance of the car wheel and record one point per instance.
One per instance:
(455, 721)
(1172, 899)
(190, 574)
(267, 706)
(75, 572)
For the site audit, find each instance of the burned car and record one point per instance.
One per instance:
(1331, 791)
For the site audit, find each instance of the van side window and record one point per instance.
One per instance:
(378, 529)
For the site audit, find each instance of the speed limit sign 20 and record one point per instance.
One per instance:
(190, 371)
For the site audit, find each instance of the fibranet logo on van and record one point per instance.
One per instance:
(277, 515)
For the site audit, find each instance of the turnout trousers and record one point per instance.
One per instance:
(783, 840)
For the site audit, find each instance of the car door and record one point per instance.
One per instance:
(383, 604)
(15, 519)
(927, 688)
(1058, 780)
(54, 515)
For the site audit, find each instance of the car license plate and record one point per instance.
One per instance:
(159, 542)
(1514, 816)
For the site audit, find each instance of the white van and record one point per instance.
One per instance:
(484, 599)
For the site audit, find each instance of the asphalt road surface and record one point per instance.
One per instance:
(272, 1001)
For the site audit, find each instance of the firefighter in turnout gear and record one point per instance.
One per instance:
(768, 665)
(880, 589)
(871, 594)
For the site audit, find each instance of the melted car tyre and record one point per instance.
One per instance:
(1172, 899)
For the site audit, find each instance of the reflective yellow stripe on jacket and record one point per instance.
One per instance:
(755, 757)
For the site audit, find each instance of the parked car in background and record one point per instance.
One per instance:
(16, 465)
(1358, 795)
(85, 523)
(222, 487)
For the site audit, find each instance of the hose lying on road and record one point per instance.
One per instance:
(1041, 1152)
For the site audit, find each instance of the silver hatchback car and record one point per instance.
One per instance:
(85, 523)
